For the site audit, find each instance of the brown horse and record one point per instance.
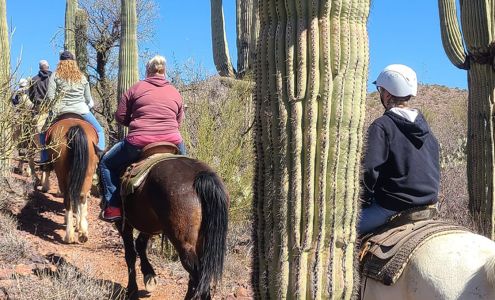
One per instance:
(72, 151)
(185, 200)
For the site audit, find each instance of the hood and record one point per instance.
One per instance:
(417, 132)
(157, 80)
(44, 74)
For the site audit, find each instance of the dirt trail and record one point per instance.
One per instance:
(43, 221)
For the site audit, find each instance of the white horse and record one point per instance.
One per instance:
(457, 266)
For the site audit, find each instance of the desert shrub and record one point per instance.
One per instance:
(66, 283)
(217, 131)
(13, 247)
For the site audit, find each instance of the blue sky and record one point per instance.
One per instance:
(400, 31)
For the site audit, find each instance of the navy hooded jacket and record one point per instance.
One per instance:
(401, 165)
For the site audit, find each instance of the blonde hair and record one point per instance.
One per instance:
(68, 70)
(156, 65)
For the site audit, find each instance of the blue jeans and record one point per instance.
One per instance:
(89, 117)
(373, 217)
(182, 148)
(112, 164)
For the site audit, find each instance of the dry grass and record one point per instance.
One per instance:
(66, 283)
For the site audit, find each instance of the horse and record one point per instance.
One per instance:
(459, 265)
(71, 149)
(186, 201)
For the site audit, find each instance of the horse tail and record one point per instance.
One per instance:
(490, 270)
(214, 202)
(78, 158)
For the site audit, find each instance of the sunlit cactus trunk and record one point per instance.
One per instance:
(70, 28)
(128, 55)
(247, 20)
(311, 73)
(220, 48)
(5, 136)
(81, 30)
(478, 38)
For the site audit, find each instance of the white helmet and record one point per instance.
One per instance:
(398, 80)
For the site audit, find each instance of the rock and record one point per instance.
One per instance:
(24, 270)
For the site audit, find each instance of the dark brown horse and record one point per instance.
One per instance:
(72, 151)
(185, 200)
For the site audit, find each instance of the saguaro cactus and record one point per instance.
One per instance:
(220, 47)
(5, 129)
(70, 29)
(311, 75)
(247, 25)
(4, 45)
(81, 41)
(477, 38)
(128, 55)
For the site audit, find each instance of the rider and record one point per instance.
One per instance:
(37, 94)
(401, 164)
(153, 111)
(68, 92)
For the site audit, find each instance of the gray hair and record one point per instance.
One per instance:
(156, 65)
(44, 64)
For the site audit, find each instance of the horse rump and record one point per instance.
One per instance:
(214, 224)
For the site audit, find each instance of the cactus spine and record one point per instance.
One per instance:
(311, 73)
(70, 15)
(81, 30)
(478, 33)
(5, 130)
(128, 55)
(220, 47)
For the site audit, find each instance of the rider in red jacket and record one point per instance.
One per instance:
(153, 111)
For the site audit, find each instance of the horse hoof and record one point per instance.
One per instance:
(69, 240)
(150, 283)
(83, 238)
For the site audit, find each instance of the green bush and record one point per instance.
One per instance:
(217, 131)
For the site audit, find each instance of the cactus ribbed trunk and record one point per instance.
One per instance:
(70, 25)
(81, 30)
(311, 73)
(478, 39)
(4, 89)
(247, 22)
(128, 55)
(220, 48)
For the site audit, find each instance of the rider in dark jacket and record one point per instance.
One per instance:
(401, 165)
(39, 86)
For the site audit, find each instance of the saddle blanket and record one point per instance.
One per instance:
(384, 255)
(137, 172)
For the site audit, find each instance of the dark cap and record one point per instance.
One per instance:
(66, 55)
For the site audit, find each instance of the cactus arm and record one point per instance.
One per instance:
(70, 19)
(451, 33)
(220, 47)
(5, 131)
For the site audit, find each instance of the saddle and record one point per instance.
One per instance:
(385, 253)
(137, 172)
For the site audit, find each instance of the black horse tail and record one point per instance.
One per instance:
(78, 158)
(214, 201)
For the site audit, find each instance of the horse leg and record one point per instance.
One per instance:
(146, 268)
(130, 258)
(45, 176)
(83, 218)
(190, 262)
(69, 219)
